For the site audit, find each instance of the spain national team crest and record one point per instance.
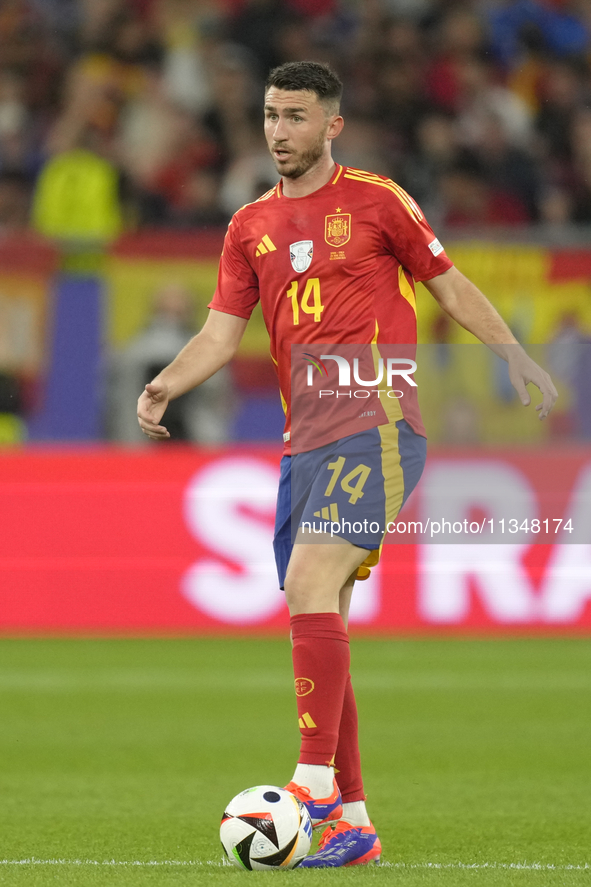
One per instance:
(303, 686)
(338, 229)
(300, 254)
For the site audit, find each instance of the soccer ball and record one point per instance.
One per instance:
(265, 828)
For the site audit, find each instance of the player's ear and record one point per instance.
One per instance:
(335, 127)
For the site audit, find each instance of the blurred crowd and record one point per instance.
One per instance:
(127, 113)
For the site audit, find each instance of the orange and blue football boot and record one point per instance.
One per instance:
(322, 811)
(345, 845)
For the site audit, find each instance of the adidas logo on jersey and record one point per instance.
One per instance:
(265, 246)
(330, 512)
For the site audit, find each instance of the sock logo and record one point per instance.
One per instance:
(306, 722)
(303, 686)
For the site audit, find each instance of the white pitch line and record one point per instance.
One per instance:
(528, 866)
(116, 862)
(222, 863)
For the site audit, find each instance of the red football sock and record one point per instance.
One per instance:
(347, 760)
(321, 665)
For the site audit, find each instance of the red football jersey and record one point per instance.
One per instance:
(337, 266)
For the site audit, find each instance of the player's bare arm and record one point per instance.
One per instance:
(467, 305)
(204, 355)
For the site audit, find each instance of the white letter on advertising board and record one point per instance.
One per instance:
(451, 491)
(567, 588)
(213, 510)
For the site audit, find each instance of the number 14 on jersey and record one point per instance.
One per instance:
(310, 302)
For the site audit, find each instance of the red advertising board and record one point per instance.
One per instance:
(178, 540)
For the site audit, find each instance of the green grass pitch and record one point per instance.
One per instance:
(118, 756)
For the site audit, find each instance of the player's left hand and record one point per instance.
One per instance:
(522, 371)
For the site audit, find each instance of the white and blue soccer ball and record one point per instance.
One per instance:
(266, 828)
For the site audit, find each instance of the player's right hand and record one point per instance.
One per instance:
(151, 405)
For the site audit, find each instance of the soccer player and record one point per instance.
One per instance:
(332, 254)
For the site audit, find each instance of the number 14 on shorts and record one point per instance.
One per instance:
(359, 474)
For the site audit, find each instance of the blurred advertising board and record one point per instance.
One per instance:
(101, 303)
(541, 291)
(178, 540)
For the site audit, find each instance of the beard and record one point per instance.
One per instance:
(304, 161)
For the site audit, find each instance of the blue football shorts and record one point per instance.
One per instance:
(351, 488)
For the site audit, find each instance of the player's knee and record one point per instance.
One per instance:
(296, 594)
(306, 597)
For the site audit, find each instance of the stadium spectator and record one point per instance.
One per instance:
(202, 415)
(580, 147)
(555, 209)
(234, 110)
(564, 89)
(569, 355)
(254, 25)
(188, 33)
(362, 147)
(14, 123)
(481, 98)
(12, 427)
(470, 201)
(558, 29)
(248, 176)
(436, 150)
(507, 166)
(456, 38)
(77, 197)
(14, 201)
(181, 152)
(164, 91)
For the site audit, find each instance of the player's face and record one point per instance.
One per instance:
(297, 129)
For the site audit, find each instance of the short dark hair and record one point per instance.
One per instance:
(314, 76)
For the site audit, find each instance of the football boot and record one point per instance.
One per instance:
(322, 810)
(344, 845)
